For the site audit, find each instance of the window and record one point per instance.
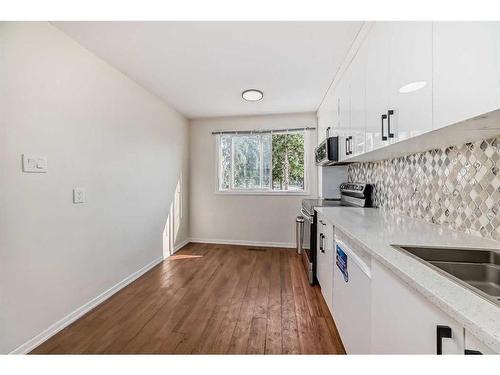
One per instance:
(267, 162)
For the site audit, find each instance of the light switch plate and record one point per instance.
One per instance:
(79, 195)
(34, 164)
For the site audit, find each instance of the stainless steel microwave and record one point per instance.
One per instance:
(327, 152)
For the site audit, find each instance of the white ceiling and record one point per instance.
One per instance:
(201, 68)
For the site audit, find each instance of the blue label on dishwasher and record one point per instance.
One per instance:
(341, 261)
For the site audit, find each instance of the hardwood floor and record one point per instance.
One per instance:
(209, 299)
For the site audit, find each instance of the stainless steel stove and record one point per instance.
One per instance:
(351, 194)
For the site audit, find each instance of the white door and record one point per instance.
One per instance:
(410, 77)
(474, 346)
(325, 261)
(377, 49)
(404, 322)
(327, 116)
(344, 116)
(320, 241)
(357, 126)
(344, 104)
(466, 70)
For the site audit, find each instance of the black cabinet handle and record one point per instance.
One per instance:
(384, 137)
(350, 145)
(321, 242)
(347, 145)
(442, 332)
(390, 112)
(472, 352)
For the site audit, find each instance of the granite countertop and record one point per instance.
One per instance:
(310, 203)
(375, 230)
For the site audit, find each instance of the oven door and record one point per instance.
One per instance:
(309, 246)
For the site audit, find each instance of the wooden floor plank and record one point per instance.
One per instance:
(273, 331)
(209, 299)
(289, 331)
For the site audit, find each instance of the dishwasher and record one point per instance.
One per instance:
(352, 296)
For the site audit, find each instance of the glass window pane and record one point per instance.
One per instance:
(225, 162)
(267, 160)
(296, 160)
(288, 161)
(246, 166)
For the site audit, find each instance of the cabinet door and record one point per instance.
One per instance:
(466, 70)
(325, 261)
(410, 77)
(344, 115)
(327, 290)
(476, 346)
(320, 245)
(357, 126)
(327, 115)
(344, 104)
(377, 48)
(404, 322)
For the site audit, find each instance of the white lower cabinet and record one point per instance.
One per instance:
(474, 346)
(375, 311)
(324, 255)
(404, 322)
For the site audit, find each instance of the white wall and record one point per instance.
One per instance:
(267, 219)
(101, 131)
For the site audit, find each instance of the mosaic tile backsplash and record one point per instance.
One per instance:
(458, 187)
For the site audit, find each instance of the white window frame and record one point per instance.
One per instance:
(233, 191)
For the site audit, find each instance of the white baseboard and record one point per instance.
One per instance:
(243, 243)
(180, 245)
(70, 318)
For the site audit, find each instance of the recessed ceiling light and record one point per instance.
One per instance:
(252, 95)
(412, 86)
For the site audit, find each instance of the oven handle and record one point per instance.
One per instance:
(306, 215)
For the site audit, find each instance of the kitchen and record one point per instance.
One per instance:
(386, 127)
(262, 187)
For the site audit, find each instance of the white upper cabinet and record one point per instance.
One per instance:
(344, 115)
(410, 80)
(357, 126)
(327, 115)
(376, 51)
(344, 104)
(466, 70)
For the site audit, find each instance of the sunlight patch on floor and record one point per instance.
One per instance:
(184, 256)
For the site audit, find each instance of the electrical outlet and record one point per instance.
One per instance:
(34, 164)
(79, 195)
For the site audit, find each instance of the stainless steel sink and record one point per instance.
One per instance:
(477, 269)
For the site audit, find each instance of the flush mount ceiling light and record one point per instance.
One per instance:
(252, 95)
(412, 86)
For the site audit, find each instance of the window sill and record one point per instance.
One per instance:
(281, 193)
